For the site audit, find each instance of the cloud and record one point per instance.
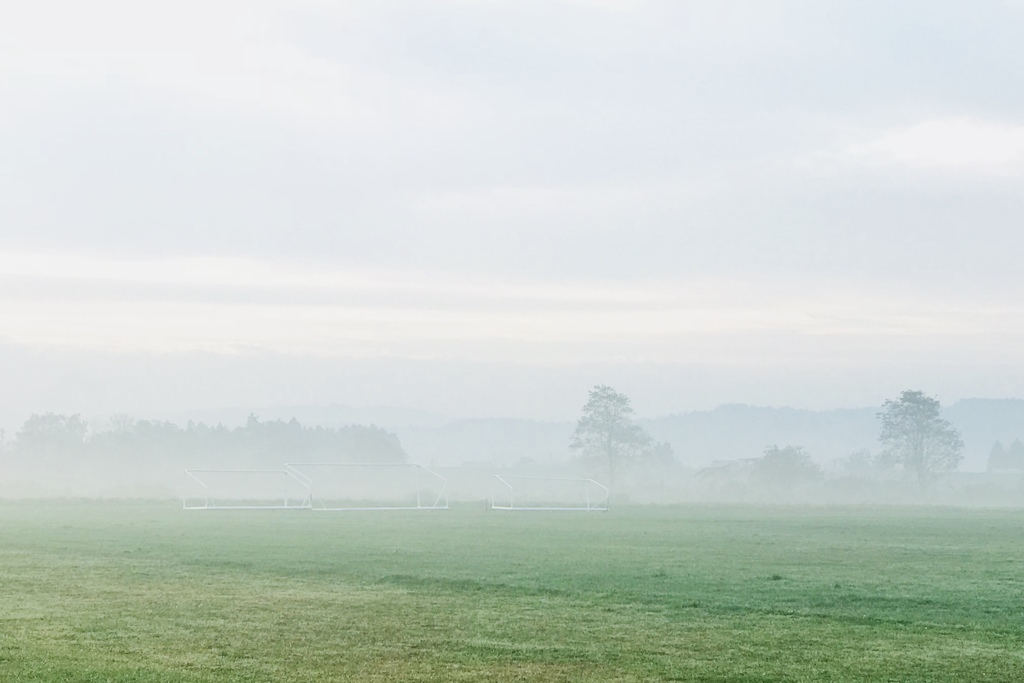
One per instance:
(502, 180)
(220, 58)
(947, 144)
(237, 305)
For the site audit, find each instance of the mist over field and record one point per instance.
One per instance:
(708, 456)
(511, 340)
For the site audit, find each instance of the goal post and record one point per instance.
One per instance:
(513, 492)
(338, 487)
(245, 490)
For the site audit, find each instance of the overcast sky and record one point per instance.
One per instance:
(484, 207)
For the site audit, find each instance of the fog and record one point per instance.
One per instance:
(444, 221)
(405, 458)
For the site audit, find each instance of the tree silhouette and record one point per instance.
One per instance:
(605, 432)
(918, 437)
(787, 466)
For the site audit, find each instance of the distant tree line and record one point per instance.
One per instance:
(57, 443)
(1003, 459)
(917, 443)
(778, 470)
(609, 446)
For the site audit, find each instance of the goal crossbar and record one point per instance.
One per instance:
(592, 503)
(423, 476)
(210, 503)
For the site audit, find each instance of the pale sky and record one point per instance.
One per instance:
(484, 207)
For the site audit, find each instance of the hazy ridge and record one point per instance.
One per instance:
(698, 438)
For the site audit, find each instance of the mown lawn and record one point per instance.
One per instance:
(148, 592)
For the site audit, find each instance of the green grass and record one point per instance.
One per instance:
(147, 592)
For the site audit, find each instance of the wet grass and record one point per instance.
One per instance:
(147, 592)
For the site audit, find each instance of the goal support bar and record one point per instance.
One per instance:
(210, 503)
(423, 475)
(596, 496)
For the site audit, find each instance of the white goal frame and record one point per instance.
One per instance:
(440, 502)
(595, 503)
(304, 503)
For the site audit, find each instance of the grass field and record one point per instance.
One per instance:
(147, 592)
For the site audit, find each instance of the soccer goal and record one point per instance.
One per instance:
(372, 486)
(548, 493)
(245, 490)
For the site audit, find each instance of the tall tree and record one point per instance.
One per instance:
(605, 432)
(918, 437)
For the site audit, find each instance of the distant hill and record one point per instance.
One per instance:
(740, 431)
(983, 421)
(732, 432)
(698, 438)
